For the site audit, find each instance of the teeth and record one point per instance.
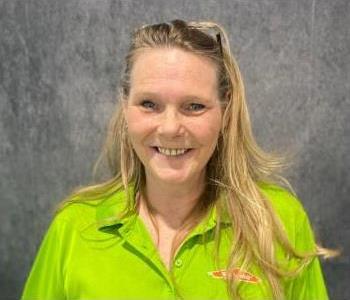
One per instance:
(171, 152)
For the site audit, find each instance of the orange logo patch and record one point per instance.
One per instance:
(236, 273)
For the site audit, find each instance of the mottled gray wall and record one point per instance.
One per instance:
(60, 63)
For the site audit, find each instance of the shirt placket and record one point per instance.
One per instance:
(136, 235)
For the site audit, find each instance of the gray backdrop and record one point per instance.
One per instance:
(60, 64)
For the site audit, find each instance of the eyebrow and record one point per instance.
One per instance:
(185, 97)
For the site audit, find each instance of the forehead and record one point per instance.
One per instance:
(173, 68)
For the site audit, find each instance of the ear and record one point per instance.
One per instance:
(227, 96)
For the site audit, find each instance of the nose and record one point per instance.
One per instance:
(170, 123)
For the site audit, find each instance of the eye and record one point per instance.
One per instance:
(148, 104)
(195, 107)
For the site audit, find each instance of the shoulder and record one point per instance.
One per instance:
(76, 213)
(284, 202)
(74, 225)
(80, 212)
(288, 209)
(69, 222)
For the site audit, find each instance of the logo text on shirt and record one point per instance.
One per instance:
(236, 273)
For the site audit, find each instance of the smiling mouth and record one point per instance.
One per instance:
(172, 151)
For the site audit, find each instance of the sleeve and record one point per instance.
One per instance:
(45, 281)
(309, 284)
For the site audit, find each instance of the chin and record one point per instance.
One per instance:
(171, 177)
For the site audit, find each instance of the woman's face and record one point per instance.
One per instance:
(173, 114)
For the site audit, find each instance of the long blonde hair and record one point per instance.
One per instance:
(235, 169)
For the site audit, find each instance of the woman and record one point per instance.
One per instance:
(190, 211)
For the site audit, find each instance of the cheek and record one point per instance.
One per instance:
(132, 115)
(209, 129)
(206, 132)
(138, 125)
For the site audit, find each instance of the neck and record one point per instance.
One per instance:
(170, 203)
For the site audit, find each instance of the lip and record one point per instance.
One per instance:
(187, 154)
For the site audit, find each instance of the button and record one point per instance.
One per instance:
(170, 292)
(178, 263)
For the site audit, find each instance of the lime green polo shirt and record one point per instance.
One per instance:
(89, 253)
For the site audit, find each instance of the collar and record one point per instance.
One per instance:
(111, 212)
